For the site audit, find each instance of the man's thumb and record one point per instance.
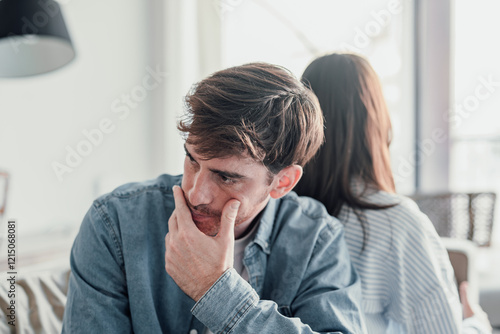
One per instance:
(229, 214)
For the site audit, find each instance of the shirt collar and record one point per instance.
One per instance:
(264, 233)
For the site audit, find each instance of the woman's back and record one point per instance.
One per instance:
(407, 279)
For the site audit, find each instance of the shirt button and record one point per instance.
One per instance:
(193, 331)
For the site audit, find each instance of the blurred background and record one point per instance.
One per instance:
(135, 60)
(108, 116)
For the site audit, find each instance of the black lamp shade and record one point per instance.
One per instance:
(33, 38)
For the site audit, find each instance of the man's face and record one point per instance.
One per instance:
(209, 184)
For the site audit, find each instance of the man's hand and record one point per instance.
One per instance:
(195, 261)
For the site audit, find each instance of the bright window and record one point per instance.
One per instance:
(293, 33)
(475, 116)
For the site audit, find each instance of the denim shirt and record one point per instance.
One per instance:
(300, 276)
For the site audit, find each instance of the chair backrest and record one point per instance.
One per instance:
(460, 263)
(460, 215)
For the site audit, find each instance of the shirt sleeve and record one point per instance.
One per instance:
(428, 278)
(441, 310)
(427, 299)
(477, 324)
(97, 298)
(327, 302)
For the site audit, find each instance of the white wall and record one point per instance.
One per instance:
(40, 116)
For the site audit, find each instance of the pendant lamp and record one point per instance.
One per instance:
(33, 38)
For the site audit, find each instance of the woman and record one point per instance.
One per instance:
(407, 279)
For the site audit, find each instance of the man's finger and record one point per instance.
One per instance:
(229, 214)
(167, 240)
(172, 223)
(183, 213)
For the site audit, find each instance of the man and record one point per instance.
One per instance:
(226, 247)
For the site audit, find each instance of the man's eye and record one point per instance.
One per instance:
(226, 180)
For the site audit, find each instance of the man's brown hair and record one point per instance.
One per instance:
(259, 109)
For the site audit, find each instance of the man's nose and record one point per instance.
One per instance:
(202, 190)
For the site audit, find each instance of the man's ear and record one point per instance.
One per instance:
(287, 178)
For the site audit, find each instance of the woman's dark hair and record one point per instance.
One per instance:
(357, 134)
